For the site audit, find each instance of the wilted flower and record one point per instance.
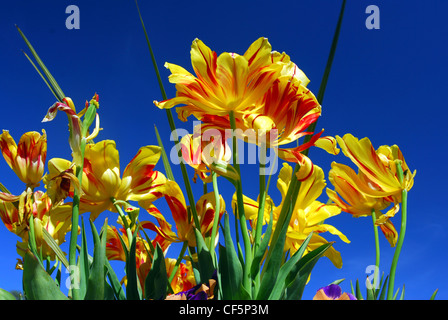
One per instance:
(16, 211)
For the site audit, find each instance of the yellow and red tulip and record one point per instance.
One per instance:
(224, 83)
(378, 167)
(102, 183)
(27, 158)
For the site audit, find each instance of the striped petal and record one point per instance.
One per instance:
(27, 159)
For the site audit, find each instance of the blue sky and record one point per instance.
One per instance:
(386, 84)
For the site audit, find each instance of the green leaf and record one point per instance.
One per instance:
(37, 283)
(57, 91)
(286, 271)
(166, 161)
(83, 262)
(226, 170)
(55, 247)
(273, 262)
(402, 294)
(370, 290)
(109, 292)
(323, 84)
(89, 117)
(205, 259)
(32, 239)
(259, 254)
(115, 283)
(133, 291)
(230, 271)
(4, 189)
(302, 271)
(156, 281)
(96, 282)
(337, 282)
(433, 297)
(358, 291)
(378, 288)
(384, 289)
(6, 295)
(396, 294)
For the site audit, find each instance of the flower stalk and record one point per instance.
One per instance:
(377, 250)
(240, 204)
(404, 202)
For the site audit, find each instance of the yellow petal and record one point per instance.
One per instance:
(362, 153)
(329, 144)
(101, 172)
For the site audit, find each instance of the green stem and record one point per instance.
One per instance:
(125, 221)
(393, 268)
(261, 205)
(74, 229)
(216, 219)
(241, 214)
(377, 249)
(326, 75)
(172, 126)
(179, 259)
(289, 202)
(262, 198)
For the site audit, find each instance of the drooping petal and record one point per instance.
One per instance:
(347, 194)
(390, 232)
(329, 144)
(362, 153)
(163, 229)
(75, 134)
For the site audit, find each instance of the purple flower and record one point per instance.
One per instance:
(332, 292)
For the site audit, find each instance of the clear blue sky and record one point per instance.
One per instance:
(387, 84)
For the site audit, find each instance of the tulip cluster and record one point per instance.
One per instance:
(259, 98)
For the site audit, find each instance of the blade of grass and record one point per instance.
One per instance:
(54, 85)
(166, 162)
(55, 247)
(326, 75)
(172, 127)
